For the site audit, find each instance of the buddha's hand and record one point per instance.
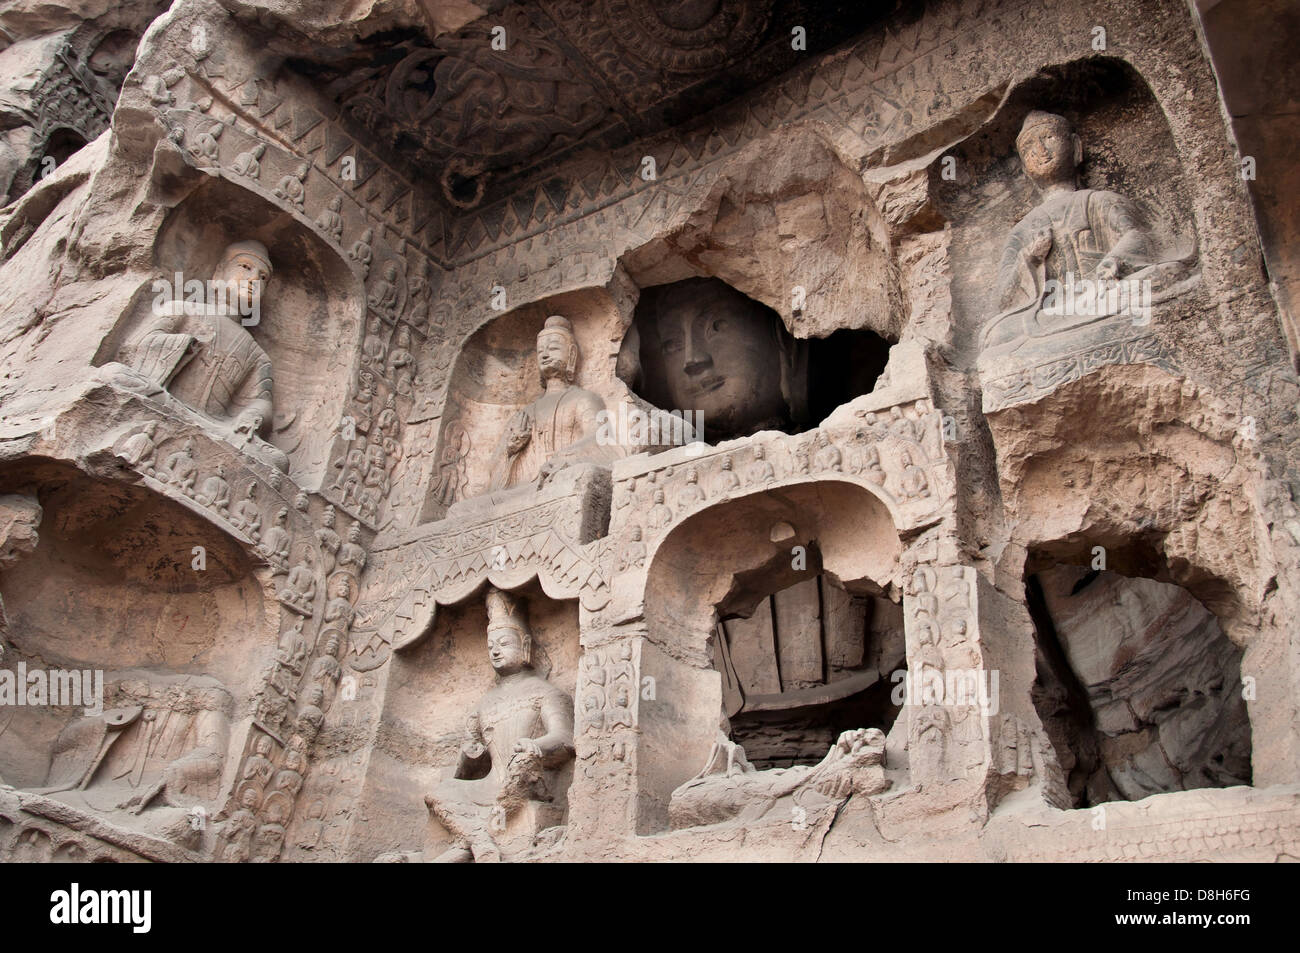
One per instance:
(529, 748)
(519, 433)
(1039, 245)
(1107, 268)
(549, 469)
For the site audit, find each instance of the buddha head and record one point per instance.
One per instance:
(246, 267)
(243, 272)
(557, 351)
(294, 759)
(509, 641)
(706, 347)
(1049, 150)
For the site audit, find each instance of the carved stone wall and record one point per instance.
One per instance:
(374, 552)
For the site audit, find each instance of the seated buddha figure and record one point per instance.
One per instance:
(205, 357)
(558, 428)
(1084, 239)
(520, 732)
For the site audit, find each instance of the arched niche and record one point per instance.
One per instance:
(1135, 459)
(112, 586)
(1137, 472)
(432, 687)
(724, 560)
(1138, 689)
(787, 212)
(1128, 148)
(495, 374)
(311, 313)
(789, 225)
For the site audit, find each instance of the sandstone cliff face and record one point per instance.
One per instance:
(352, 371)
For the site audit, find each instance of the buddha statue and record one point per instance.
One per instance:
(1072, 235)
(557, 429)
(705, 347)
(520, 732)
(208, 360)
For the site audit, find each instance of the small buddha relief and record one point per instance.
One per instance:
(557, 429)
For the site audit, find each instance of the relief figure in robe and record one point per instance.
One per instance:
(520, 733)
(557, 429)
(205, 357)
(1074, 235)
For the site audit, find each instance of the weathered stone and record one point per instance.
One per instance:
(760, 407)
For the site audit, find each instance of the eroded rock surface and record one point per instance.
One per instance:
(620, 430)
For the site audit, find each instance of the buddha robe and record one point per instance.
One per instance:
(209, 362)
(560, 427)
(1087, 226)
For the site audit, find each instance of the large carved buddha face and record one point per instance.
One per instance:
(506, 650)
(716, 352)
